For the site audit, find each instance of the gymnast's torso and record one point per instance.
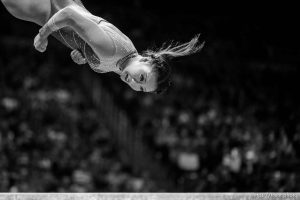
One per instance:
(122, 44)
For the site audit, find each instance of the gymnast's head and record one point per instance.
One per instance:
(150, 71)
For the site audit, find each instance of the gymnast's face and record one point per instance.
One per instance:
(139, 76)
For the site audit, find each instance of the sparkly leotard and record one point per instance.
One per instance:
(122, 43)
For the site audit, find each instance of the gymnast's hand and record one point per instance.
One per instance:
(77, 57)
(41, 41)
(59, 20)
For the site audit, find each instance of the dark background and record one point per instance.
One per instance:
(234, 107)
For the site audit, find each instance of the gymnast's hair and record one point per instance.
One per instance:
(159, 60)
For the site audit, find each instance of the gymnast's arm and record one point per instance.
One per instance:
(75, 18)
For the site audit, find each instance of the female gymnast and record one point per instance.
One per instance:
(95, 41)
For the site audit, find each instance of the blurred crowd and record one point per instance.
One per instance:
(214, 147)
(231, 131)
(229, 123)
(51, 136)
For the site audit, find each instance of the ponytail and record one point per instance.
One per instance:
(158, 59)
(177, 50)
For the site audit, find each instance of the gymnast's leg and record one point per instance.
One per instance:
(36, 11)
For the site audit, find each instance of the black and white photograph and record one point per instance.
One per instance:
(147, 100)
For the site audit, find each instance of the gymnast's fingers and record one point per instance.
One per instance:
(73, 56)
(40, 44)
(80, 61)
(73, 53)
(76, 53)
(77, 57)
(80, 57)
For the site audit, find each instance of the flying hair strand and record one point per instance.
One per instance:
(178, 50)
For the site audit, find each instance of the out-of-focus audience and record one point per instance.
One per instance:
(229, 123)
(51, 137)
(228, 130)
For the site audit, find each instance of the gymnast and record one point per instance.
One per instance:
(99, 43)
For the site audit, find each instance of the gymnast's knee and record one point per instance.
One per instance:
(9, 3)
(5, 2)
(11, 7)
(28, 10)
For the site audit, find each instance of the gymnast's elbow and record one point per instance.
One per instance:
(69, 15)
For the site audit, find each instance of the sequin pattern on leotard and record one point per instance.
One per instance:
(122, 44)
